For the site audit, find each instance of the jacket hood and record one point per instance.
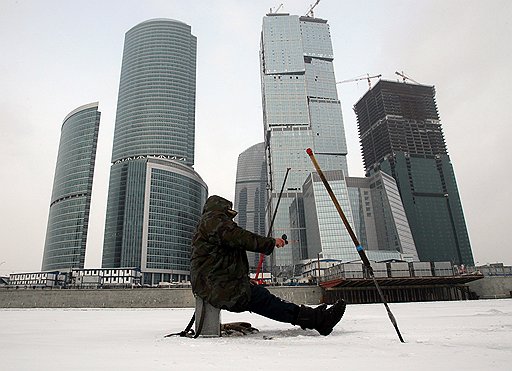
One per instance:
(217, 203)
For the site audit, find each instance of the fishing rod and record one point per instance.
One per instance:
(262, 256)
(359, 248)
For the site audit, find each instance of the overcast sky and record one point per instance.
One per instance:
(58, 55)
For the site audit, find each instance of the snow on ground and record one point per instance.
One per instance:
(467, 335)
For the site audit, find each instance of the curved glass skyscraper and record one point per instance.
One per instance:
(155, 197)
(251, 193)
(156, 103)
(68, 221)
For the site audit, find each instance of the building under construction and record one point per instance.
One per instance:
(401, 134)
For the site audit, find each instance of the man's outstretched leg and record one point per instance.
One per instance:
(266, 304)
(321, 318)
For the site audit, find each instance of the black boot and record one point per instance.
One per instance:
(321, 318)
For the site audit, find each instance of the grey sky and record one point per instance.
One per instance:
(58, 55)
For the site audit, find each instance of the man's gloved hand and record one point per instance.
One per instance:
(280, 242)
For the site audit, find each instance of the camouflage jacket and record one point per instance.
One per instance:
(218, 266)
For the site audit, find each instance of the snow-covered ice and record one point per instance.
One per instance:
(466, 335)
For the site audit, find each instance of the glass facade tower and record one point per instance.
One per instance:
(251, 194)
(155, 197)
(68, 220)
(380, 221)
(156, 104)
(301, 110)
(371, 210)
(326, 233)
(401, 135)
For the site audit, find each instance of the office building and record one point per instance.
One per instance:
(401, 134)
(371, 209)
(156, 103)
(68, 220)
(301, 110)
(326, 234)
(251, 195)
(155, 197)
(380, 222)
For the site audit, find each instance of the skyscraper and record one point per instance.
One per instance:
(301, 110)
(155, 196)
(401, 134)
(68, 221)
(251, 193)
(371, 209)
(380, 221)
(157, 92)
(325, 231)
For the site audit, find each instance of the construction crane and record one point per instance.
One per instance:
(404, 77)
(277, 9)
(368, 78)
(310, 11)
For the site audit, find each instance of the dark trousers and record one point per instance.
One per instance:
(266, 304)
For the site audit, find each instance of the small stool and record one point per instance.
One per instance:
(211, 320)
